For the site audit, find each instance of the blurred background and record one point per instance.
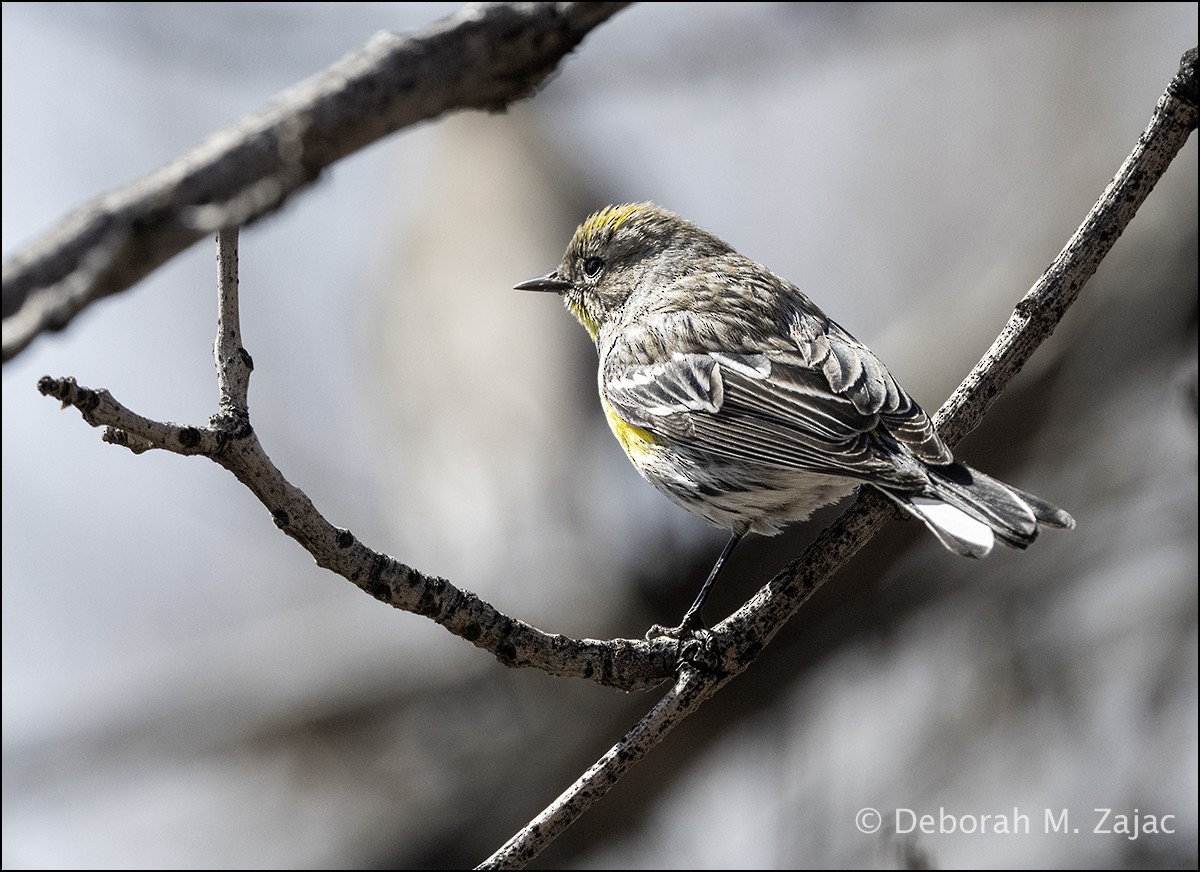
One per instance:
(182, 687)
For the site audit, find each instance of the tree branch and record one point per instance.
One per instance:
(685, 697)
(710, 662)
(484, 57)
(230, 440)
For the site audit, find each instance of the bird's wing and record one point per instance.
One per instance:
(820, 402)
(853, 371)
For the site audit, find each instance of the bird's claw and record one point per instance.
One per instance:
(691, 625)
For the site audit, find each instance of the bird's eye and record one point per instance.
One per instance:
(592, 266)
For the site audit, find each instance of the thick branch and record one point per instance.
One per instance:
(1032, 322)
(484, 57)
(717, 657)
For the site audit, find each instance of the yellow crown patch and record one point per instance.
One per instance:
(609, 219)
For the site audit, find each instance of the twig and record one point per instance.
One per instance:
(484, 57)
(234, 363)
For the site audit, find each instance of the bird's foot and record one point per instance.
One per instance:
(691, 625)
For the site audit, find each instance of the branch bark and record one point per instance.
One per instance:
(230, 440)
(484, 57)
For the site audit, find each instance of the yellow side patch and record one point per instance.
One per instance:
(638, 442)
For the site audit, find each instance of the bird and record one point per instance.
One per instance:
(739, 399)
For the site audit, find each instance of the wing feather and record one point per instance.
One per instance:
(799, 392)
(741, 409)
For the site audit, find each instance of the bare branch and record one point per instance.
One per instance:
(714, 659)
(1032, 322)
(484, 57)
(230, 440)
(684, 698)
(625, 664)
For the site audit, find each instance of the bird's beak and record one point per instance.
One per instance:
(551, 283)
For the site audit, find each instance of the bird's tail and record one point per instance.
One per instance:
(968, 511)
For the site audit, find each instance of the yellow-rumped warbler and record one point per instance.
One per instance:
(743, 402)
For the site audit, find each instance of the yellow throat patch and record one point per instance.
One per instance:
(584, 317)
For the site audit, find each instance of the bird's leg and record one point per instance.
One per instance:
(692, 620)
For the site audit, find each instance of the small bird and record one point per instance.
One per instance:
(743, 402)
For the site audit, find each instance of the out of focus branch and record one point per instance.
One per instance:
(484, 57)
